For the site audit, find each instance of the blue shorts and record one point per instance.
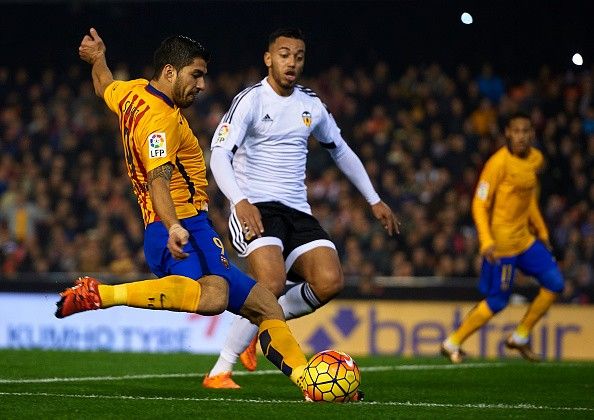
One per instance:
(498, 278)
(207, 256)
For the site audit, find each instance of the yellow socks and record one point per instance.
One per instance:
(279, 346)
(173, 293)
(476, 318)
(481, 313)
(537, 309)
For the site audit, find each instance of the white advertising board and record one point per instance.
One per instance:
(27, 321)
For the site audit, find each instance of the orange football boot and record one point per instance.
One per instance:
(83, 296)
(248, 357)
(221, 381)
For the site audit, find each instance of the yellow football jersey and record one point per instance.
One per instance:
(505, 205)
(155, 132)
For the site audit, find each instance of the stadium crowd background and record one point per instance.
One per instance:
(423, 132)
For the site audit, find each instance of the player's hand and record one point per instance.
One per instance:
(387, 218)
(489, 254)
(91, 47)
(250, 218)
(178, 237)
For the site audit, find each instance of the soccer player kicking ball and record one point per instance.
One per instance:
(168, 174)
(258, 160)
(505, 210)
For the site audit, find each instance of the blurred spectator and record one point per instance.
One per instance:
(490, 86)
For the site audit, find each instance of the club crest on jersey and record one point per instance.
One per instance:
(306, 116)
(223, 133)
(157, 145)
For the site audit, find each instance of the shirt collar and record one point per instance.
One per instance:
(154, 91)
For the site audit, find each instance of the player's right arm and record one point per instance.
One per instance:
(228, 136)
(162, 131)
(92, 50)
(160, 192)
(482, 204)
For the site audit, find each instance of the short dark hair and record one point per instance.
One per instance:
(179, 51)
(517, 115)
(294, 33)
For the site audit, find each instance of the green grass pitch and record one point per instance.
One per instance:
(78, 385)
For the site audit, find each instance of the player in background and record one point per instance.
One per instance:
(512, 234)
(258, 159)
(168, 174)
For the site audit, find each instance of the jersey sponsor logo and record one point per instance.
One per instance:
(267, 118)
(157, 145)
(482, 191)
(223, 133)
(306, 116)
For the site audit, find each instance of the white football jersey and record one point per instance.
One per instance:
(268, 135)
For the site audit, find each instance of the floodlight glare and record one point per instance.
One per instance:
(577, 59)
(466, 18)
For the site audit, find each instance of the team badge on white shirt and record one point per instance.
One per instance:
(306, 116)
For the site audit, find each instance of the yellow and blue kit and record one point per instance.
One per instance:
(506, 214)
(154, 132)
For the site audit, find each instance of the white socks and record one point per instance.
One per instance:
(239, 336)
(298, 301)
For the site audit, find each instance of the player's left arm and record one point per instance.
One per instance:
(328, 133)
(92, 50)
(534, 215)
(537, 221)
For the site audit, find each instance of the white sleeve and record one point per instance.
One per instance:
(351, 166)
(231, 131)
(222, 170)
(328, 134)
(326, 131)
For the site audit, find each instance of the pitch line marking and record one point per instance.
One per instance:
(239, 373)
(262, 401)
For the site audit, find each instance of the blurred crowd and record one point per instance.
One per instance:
(423, 135)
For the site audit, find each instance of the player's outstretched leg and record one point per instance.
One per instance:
(173, 293)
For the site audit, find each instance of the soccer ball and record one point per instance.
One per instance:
(331, 376)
